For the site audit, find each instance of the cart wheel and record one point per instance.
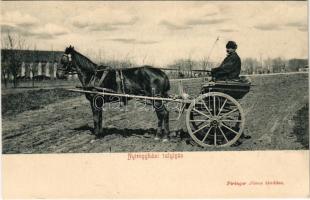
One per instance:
(215, 119)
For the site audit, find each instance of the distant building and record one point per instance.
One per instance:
(297, 65)
(33, 62)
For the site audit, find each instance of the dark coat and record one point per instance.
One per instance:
(229, 69)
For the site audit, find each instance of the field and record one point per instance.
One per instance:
(53, 120)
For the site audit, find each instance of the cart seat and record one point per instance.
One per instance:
(236, 88)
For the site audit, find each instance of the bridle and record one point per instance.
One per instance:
(69, 67)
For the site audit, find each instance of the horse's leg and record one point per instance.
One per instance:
(163, 120)
(166, 124)
(97, 117)
(100, 121)
(163, 123)
(160, 117)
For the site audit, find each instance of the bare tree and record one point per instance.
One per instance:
(250, 65)
(278, 64)
(204, 63)
(189, 64)
(4, 64)
(4, 70)
(14, 43)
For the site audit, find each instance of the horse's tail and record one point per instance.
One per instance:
(167, 84)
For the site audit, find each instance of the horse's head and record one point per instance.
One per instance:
(66, 63)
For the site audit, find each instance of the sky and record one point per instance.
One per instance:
(158, 33)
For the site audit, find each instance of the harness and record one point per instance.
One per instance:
(94, 77)
(92, 83)
(71, 70)
(120, 81)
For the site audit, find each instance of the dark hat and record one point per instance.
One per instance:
(231, 45)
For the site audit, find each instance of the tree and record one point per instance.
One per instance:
(14, 43)
(295, 64)
(249, 65)
(4, 73)
(4, 68)
(278, 64)
(268, 64)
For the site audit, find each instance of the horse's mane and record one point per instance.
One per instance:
(88, 60)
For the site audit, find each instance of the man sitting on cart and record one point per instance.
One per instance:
(230, 70)
(231, 65)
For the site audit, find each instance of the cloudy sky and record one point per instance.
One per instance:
(159, 32)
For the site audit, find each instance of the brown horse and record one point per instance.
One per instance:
(144, 80)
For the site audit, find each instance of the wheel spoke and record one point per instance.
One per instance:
(214, 105)
(204, 103)
(200, 128)
(219, 104)
(223, 134)
(229, 120)
(199, 120)
(197, 125)
(230, 129)
(209, 102)
(222, 107)
(205, 137)
(202, 113)
(228, 113)
(215, 137)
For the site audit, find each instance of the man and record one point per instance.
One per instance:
(231, 66)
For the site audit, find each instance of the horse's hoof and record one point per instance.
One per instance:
(156, 138)
(165, 140)
(99, 134)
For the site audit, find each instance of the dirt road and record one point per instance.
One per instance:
(276, 117)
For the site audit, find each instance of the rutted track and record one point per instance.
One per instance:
(65, 126)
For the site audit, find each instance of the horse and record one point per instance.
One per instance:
(144, 80)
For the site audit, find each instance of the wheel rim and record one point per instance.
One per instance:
(215, 120)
